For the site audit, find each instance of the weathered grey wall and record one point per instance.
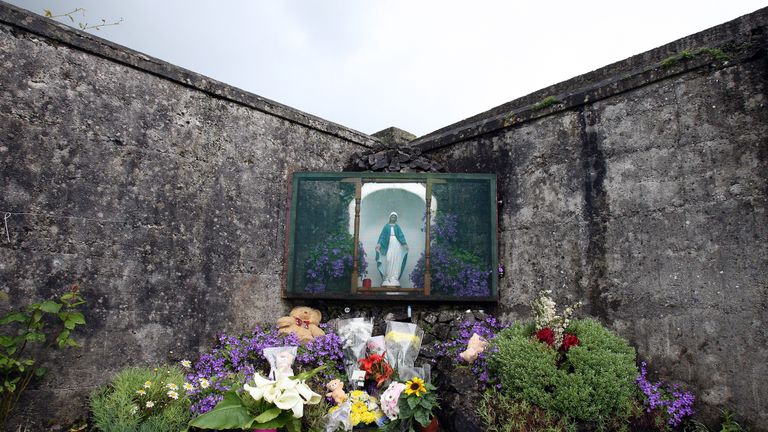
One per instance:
(643, 193)
(161, 192)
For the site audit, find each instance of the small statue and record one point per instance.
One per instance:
(475, 346)
(336, 391)
(304, 321)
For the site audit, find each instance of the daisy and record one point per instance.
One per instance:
(204, 383)
(141, 392)
(149, 404)
(172, 386)
(173, 395)
(188, 387)
(186, 363)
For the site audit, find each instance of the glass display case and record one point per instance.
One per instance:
(392, 235)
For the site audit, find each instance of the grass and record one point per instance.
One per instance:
(546, 102)
(714, 53)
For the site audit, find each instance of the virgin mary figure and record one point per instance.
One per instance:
(391, 253)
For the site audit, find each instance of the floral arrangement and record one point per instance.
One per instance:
(670, 402)
(267, 404)
(453, 271)
(416, 403)
(234, 358)
(550, 327)
(376, 369)
(487, 329)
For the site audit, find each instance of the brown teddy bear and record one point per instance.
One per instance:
(303, 321)
(336, 391)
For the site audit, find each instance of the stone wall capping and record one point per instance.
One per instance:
(63, 34)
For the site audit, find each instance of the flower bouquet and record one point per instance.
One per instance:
(267, 404)
(403, 342)
(354, 333)
(359, 410)
(376, 369)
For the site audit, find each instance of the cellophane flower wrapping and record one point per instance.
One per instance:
(409, 372)
(354, 333)
(403, 343)
(280, 360)
(376, 345)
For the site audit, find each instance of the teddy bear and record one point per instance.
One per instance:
(475, 346)
(336, 391)
(303, 321)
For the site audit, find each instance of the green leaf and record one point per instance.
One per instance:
(308, 374)
(62, 338)
(50, 306)
(13, 317)
(412, 402)
(40, 371)
(294, 425)
(227, 414)
(285, 418)
(268, 415)
(422, 418)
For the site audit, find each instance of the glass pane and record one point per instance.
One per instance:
(392, 232)
(323, 236)
(461, 255)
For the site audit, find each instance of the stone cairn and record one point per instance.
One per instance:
(393, 154)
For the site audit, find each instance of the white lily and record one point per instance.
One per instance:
(262, 386)
(285, 393)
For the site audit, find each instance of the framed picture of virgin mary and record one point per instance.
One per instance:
(392, 235)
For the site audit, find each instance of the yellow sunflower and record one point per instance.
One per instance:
(415, 386)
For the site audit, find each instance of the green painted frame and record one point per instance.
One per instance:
(289, 266)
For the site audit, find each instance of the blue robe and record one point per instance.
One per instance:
(384, 242)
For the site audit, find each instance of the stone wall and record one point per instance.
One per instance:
(641, 189)
(162, 192)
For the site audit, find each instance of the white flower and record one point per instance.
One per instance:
(285, 393)
(149, 404)
(141, 392)
(172, 386)
(204, 383)
(172, 394)
(188, 387)
(186, 364)
(147, 384)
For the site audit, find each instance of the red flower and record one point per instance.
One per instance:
(569, 341)
(377, 368)
(546, 335)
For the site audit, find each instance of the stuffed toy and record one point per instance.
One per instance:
(303, 321)
(336, 391)
(475, 346)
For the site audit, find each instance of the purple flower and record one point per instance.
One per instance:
(675, 404)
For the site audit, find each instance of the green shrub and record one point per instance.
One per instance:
(501, 413)
(120, 406)
(593, 383)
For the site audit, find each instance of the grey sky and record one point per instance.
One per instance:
(415, 64)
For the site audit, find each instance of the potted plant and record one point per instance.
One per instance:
(416, 404)
(266, 405)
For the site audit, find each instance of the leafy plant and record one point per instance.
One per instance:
(501, 413)
(594, 383)
(416, 404)
(546, 102)
(48, 324)
(141, 399)
(234, 357)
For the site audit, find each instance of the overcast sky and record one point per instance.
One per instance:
(415, 64)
